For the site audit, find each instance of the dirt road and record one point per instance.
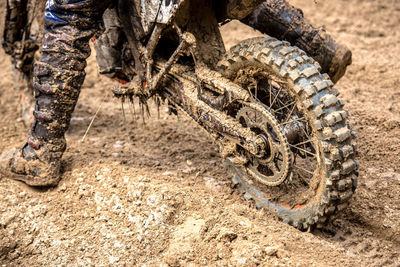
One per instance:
(157, 193)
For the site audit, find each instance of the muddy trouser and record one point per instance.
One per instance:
(279, 19)
(15, 20)
(58, 76)
(17, 39)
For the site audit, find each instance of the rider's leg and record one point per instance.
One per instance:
(18, 44)
(58, 78)
(279, 19)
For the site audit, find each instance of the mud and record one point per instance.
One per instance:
(153, 193)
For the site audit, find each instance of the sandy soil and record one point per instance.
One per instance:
(156, 193)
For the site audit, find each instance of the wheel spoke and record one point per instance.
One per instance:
(270, 95)
(287, 122)
(285, 106)
(305, 142)
(303, 150)
(280, 89)
(300, 168)
(256, 92)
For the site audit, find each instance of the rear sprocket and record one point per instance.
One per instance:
(272, 167)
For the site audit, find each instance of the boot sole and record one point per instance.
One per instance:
(29, 180)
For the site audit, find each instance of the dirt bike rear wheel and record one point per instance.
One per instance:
(286, 83)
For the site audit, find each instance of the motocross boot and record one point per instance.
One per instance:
(279, 19)
(32, 165)
(58, 77)
(38, 162)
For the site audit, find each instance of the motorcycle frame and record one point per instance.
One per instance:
(184, 16)
(199, 36)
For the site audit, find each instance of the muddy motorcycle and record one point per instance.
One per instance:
(278, 122)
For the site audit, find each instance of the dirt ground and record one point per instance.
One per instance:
(157, 193)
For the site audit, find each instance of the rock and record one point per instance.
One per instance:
(6, 219)
(390, 175)
(169, 173)
(118, 145)
(7, 244)
(113, 259)
(211, 183)
(370, 184)
(94, 139)
(271, 251)
(62, 187)
(226, 235)
(77, 118)
(241, 261)
(189, 170)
